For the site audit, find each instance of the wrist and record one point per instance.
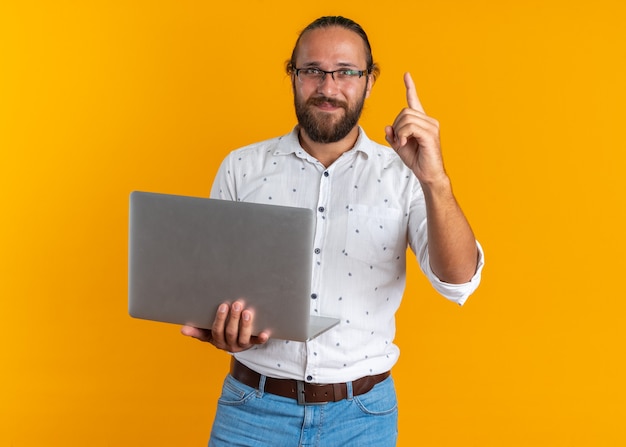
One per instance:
(436, 187)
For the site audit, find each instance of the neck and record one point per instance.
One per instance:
(327, 153)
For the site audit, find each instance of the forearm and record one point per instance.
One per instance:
(414, 136)
(451, 243)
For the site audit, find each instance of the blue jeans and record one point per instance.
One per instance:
(249, 417)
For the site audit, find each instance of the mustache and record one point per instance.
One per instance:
(317, 100)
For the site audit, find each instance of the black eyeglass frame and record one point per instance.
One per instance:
(352, 74)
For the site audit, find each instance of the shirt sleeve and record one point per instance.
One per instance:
(418, 241)
(457, 293)
(224, 184)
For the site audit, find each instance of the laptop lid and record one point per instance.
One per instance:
(187, 255)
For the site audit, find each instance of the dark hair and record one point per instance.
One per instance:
(342, 22)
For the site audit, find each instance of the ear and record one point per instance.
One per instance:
(292, 76)
(370, 83)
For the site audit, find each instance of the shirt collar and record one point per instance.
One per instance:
(290, 144)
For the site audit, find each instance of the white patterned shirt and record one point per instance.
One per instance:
(369, 207)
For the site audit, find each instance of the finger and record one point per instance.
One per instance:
(411, 93)
(197, 333)
(217, 329)
(245, 328)
(262, 338)
(231, 331)
(390, 136)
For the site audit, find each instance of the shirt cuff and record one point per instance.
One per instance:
(457, 293)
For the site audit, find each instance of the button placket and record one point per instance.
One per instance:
(320, 234)
(316, 297)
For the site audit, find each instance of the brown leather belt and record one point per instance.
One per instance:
(303, 392)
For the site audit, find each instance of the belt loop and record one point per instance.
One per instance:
(261, 389)
(349, 392)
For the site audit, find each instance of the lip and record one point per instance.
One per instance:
(327, 107)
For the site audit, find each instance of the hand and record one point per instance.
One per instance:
(415, 137)
(231, 330)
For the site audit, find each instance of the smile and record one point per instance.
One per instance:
(326, 106)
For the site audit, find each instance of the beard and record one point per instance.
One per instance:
(323, 127)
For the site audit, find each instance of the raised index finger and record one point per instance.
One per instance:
(411, 94)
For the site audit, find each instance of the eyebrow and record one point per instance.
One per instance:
(315, 64)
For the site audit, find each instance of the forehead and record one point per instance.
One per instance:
(331, 46)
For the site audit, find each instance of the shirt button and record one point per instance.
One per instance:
(321, 209)
(317, 251)
(309, 378)
(326, 174)
(314, 295)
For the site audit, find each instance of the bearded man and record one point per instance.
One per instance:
(371, 202)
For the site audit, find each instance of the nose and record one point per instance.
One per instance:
(327, 85)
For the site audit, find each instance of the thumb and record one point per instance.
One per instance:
(200, 334)
(390, 136)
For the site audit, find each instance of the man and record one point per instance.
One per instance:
(371, 201)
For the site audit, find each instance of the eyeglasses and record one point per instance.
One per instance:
(318, 75)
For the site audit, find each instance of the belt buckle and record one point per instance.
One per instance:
(300, 392)
(300, 385)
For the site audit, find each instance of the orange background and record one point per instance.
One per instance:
(103, 97)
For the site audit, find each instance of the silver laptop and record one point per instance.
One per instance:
(187, 255)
